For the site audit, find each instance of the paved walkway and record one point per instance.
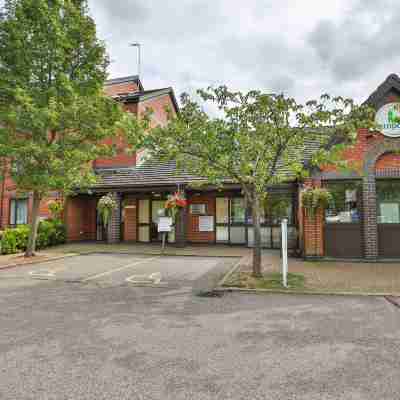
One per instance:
(153, 248)
(337, 276)
(11, 260)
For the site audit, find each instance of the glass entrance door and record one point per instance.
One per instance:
(230, 220)
(144, 220)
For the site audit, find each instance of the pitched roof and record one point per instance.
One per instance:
(391, 85)
(316, 141)
(151, 173)
(155, 173)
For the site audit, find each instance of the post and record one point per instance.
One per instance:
(284, 252)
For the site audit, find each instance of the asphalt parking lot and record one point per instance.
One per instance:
(105, 339)
(105, 270)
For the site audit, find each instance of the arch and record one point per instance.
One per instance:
(384, 147)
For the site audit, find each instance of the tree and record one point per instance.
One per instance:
(54, 115)
(255, 140)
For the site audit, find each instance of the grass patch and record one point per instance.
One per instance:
(271, 280)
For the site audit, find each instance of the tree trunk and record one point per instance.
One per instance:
(30, 250)
(256, 211)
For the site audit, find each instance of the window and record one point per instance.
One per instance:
(18, 211)
(345, 202)
(198, 209)
(388, 193)
(238, 211)
(276, 208)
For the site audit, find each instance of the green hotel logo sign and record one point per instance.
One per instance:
(388, 119)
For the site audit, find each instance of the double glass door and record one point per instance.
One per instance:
(234, 223)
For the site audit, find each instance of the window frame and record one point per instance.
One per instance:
(15, 201)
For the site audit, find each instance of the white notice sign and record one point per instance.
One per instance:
(206, 223)
(164, 224)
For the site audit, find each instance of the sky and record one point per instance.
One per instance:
(302, 48)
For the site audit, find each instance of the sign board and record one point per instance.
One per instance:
(206, 223)
(164, 224)
(388, 119)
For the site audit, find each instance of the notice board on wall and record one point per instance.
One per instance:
(206, 223)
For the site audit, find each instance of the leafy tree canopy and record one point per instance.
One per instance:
(255, 140)
(54, 115)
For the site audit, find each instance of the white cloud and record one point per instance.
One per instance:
(302, 48)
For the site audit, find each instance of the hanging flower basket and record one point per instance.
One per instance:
(175, 202)
(314, 199)
(106, 205)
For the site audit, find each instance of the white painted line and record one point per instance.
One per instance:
(42, 274)
(119, 269)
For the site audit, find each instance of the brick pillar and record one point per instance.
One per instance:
(114, 226)
(313, 233)
(181, 227)
(369, 217)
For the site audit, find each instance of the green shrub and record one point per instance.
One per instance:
(22, 235)
(9, 242)
(50, 233)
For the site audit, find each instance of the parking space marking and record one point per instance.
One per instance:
(119, 269)
(42, 274)
(153, 279)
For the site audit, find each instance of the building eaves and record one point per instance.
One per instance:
(138, 97)
(125, 79)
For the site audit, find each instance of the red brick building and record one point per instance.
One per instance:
(364, 221)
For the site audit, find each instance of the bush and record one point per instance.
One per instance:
(50, 233)
(9, 242)
(15, 239)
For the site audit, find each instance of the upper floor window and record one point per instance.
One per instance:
(18, 211)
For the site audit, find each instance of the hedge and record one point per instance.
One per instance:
(50, 233)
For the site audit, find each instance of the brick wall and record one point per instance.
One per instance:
(388, 161)
(159, 117)
(158, 106)
(122, 158)
(130, 219)
(10, 193)
(355, 153)
(193, 233)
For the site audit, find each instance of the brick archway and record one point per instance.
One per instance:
(370, 227)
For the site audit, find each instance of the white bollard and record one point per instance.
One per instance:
(284, 252)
